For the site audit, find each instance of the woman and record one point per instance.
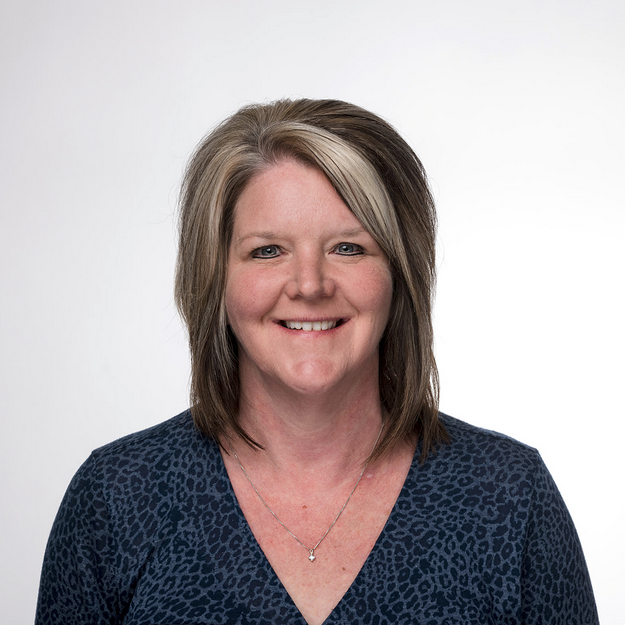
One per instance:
(313, 479)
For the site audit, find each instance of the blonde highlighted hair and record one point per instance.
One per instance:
(382, 182)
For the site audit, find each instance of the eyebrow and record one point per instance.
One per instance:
(256, 235)
(268, 235)
(352, 232)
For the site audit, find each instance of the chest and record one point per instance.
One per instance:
(203, 563)
(317, 543)
(210, 570)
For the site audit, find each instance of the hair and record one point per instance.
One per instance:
(382, 181)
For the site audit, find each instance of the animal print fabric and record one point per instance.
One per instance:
(150, 533)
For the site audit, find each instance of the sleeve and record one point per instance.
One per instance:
(555, 584)
(78, 583)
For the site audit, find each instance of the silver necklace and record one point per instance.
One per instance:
(312, 556)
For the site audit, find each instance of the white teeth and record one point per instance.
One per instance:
(310, 326)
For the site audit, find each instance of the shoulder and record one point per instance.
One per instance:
(483, 512)
(176, 438)
(480, 470)
(130, 500)
(474, 447)
(155, 460)
(504, 494)
(139, 484)
(167, 436)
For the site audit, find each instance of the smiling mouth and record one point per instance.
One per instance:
(312, 326)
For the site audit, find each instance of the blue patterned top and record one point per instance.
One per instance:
(150, 533)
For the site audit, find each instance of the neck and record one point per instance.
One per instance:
(327, 435)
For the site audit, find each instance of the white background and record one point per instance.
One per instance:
(516, 110)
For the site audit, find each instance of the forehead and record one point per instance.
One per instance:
(290, 195)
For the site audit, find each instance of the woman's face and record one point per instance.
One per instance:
(308, 289)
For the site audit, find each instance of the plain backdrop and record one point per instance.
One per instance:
(516, 110)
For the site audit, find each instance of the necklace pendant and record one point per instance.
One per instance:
(311, 557)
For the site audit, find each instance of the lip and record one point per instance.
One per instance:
(312, 325)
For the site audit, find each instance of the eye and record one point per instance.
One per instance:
(348, 249)
(268, 251)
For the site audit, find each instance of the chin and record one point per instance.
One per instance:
(312, 378)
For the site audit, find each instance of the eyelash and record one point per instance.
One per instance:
(257, 253)
(357, 249)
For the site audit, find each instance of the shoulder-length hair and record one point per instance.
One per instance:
(382, 182)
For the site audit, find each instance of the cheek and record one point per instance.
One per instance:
(247, 298)
(371, 294)
(237, 304)
(384, 308)
(377, 292)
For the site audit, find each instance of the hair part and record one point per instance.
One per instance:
(382, 182)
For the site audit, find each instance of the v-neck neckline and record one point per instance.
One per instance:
(248, 535)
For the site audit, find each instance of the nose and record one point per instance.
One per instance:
(310, 278)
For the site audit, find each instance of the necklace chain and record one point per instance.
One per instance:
(312, 556)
